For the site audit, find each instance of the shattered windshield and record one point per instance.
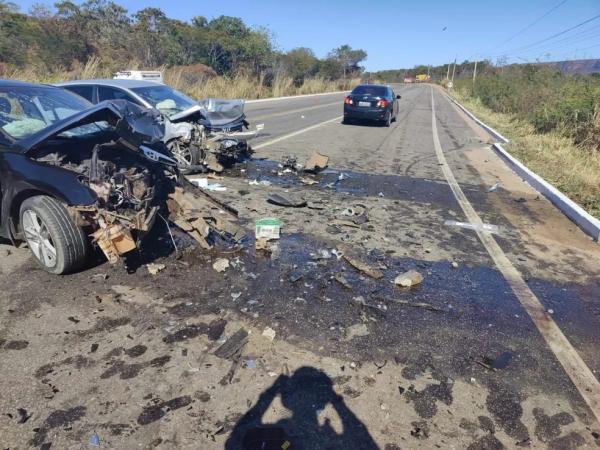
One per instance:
(25, 110)
(164, 98)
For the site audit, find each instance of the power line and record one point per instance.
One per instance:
(535, 22)
(534, 44)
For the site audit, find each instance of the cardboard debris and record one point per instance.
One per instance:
(355, 261)
(269, 333)
(114, 240)
(316, 162)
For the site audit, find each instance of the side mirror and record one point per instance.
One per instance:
(398, 97)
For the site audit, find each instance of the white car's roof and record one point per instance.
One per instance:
(122, 83)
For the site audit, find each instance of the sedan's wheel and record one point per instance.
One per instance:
(388, 120)
(57, 244)
(183, 154)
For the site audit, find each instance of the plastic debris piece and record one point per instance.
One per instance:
(494, 187)
(250, 364)
(268, 228)
(203, 183)
(221, 264)
(95, 440)
(316, 162)
(408, 279)
(475, 227)
(153, 269)
(269, 333)
(235, 295)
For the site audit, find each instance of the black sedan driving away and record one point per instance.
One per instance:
(371, 102)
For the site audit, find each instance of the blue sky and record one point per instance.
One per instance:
(402, 33)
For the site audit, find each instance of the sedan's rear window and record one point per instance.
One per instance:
(377, 91)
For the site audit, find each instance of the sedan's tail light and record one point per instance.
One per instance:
(382, 103)
(348, 101)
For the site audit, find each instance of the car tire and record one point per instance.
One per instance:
(388, 120)
(56, 242)
(345, 121)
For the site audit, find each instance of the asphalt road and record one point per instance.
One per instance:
(498, 350)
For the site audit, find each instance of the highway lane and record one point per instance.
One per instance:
(470, 370)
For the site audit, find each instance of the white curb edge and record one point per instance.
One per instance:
(260, 100)
(489, 129)
(588, 223)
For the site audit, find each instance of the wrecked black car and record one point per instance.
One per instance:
(72, 172)
(206, 135)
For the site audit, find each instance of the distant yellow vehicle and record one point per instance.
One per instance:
(422, 77)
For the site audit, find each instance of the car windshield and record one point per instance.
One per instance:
(25, 110)
(164, 98)
(376, 91)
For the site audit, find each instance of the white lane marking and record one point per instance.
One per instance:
(581, 375)
(273, 99)
(292, 111)
(295, 133)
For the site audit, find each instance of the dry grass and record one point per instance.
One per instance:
(573, 169)
(239, 86)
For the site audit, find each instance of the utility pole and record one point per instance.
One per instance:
(428, 72)
(453, 70)
(474, 72)
(448, 73)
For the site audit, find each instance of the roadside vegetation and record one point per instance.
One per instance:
(220, 57)
(552, 120)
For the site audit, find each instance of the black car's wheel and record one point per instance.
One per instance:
(388, 120)
(345, 121)
(56, 242)
(185, 155)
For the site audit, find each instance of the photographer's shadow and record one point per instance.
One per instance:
(305, 393)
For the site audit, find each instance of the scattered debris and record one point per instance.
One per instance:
(24, 416)
(356, 262)
(357, 330)
(316, 162)
(232, 345)
(268, 228)
(419, 305)
(269, 333)
(476, 227)
(343, 281)
(342, 223)
(308, 181)
(250, 364)
(153, 269)
(203, 183)
(265, 183)
(295, 275)
(520, 200)
(221, 264)
(290, 162)
(493, 188)
(95, 440)
(408, 279)
(280, 200)
(455, 264)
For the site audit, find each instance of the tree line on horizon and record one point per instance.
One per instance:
(67, 34)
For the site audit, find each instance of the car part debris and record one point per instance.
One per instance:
(475, 227)
(268, 228)
(290, 162)
(355, 261)
(408, 279)
(316, 162)
(280, 200)
(221, 264)
(342, 223)
(232, 345)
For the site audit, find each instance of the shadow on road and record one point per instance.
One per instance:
(304, 394)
